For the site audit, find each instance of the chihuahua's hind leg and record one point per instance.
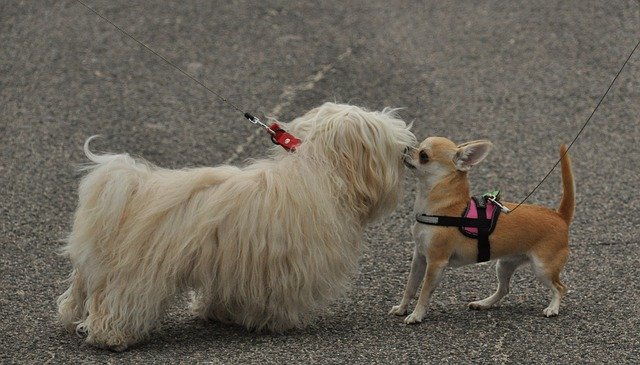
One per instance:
(558, 290)
(504, 270)
(548, 273)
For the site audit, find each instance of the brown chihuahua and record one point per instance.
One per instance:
(530, 234)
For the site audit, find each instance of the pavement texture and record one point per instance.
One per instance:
(524, 74)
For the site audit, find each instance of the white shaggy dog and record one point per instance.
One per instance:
(264, 246)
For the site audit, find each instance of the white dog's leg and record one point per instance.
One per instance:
(204, 305)
(121, 314)
(71, 302)
(432, 278)
(504, 270)
(418, 266)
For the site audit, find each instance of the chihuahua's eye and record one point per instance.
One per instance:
(424, 158)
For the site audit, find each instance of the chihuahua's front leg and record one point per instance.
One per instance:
(435, 269)
(418, 266)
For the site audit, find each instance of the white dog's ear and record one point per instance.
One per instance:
(471, 153)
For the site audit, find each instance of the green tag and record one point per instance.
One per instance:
(492, 194)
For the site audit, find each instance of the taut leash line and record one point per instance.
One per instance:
(162, 58)
(581, 129)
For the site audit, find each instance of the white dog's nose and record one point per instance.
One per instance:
(407, 162)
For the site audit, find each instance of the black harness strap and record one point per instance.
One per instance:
(484, 250)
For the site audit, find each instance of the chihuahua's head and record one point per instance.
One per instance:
(438, 157)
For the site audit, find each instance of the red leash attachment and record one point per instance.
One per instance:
(282, 138)
(278, 135)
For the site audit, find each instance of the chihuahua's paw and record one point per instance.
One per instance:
(414, 318)
(398, 310)
(479, 305)
(550, 312)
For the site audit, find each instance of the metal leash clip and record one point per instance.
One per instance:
(257, 121)
(493, 199)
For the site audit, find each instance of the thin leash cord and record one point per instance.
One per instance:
(581, 129)
(167, 61)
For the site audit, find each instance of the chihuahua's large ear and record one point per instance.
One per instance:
(471, 153)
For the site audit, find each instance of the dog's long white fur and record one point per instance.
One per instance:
(265, 246)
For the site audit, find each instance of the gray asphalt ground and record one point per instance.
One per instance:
(524, 74)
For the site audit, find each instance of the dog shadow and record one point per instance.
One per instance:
(194, 332)
(190, 332)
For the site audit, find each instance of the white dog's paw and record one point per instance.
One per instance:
(414, 318)
(398, 310)
(550, 312)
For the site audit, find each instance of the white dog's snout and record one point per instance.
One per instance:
(407, 159)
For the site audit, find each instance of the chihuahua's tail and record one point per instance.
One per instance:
(568, 202)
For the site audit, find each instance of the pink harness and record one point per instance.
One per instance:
(478, 221)
(472, 212)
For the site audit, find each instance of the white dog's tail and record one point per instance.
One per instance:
(115, 163)
(98, 159)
